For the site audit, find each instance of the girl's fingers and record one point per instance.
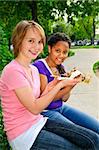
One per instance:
(70, 82)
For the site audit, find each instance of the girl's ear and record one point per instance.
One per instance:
(49, 48)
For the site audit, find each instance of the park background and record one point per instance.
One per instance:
(79, 19)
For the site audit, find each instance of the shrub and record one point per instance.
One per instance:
(96, 66)
(71, 53)
(5, 55)
(3, 139)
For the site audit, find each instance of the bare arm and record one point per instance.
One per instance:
(65, 92)
(66, 97)
(35, 106)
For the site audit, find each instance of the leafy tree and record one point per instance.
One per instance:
(45, 9)
(91, 9)
(11, 12)
(62, 26)
(82, 28)
(81, 8)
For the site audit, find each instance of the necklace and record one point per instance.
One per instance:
(53, 69)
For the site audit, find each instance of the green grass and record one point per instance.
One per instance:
(85, 47)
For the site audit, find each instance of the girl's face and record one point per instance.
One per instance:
(59, 52)
(32, 44)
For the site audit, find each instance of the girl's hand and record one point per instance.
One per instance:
(63, 83)
(50, 86)
(70, 82)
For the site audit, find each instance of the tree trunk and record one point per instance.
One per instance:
(93, 35)
(34, 10)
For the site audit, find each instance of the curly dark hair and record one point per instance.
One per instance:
(56, 37)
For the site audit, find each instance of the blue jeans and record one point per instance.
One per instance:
(66, 114)
(57, 136)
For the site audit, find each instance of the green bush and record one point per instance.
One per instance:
(96, 66)
(71, 53)
(3, 139)
(5, 55)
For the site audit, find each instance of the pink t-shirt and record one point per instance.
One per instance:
(17, 119)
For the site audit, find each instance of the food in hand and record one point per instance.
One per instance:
(74, 74)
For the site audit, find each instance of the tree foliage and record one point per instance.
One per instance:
(82, 9)
(61, 26)
(5, 55)
(45, 12)
(11, 12)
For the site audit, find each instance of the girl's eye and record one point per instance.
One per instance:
(31, 41)
(41, 41)
(65, 52)
(57, 50)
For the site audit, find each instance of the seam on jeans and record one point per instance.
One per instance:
(83, 136)
(79, 134)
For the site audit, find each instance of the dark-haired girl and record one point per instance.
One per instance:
(58, 47)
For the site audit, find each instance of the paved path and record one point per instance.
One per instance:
(85, 96)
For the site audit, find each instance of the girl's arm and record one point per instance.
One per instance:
(65, 97)
(65, 92)
(35, 106)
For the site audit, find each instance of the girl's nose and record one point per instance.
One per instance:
(36, 46)
(62, 55)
